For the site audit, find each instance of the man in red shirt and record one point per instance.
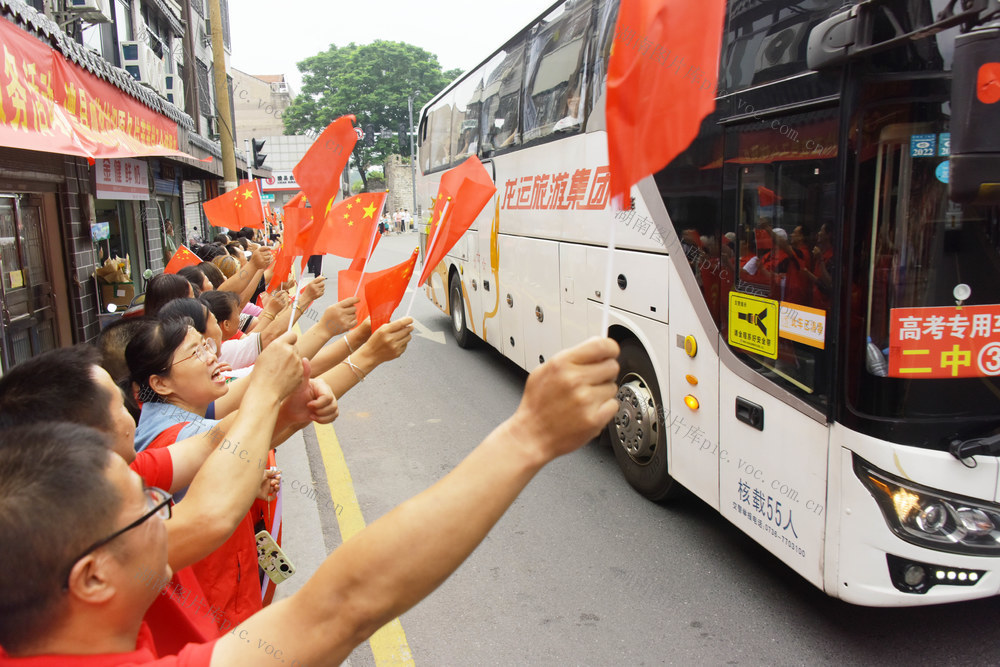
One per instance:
(73, 388)
(86, 548)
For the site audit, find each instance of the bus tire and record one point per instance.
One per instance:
(638, 432)
(456, 305)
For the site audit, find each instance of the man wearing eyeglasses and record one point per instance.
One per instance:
(68, 385)
(47, 521)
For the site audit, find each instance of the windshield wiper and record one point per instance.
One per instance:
(966, 449)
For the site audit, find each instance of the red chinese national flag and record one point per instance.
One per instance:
(348, 229)
(297, 222)
(183, 257)
(318, 172)
(662, 79)
(237, 209)
(469, 188)
(384, 292)
(347, 285)
(282, 267)
(297, 201)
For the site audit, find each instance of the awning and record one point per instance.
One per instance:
(51, 105)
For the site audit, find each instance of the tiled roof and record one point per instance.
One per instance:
(206, 145)
(48, 31)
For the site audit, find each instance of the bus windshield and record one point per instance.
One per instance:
(924, 290)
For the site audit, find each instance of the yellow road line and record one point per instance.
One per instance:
(388, 644)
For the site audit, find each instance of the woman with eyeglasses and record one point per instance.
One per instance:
(179, 376)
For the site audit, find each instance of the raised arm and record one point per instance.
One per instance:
(315, 403)
(227, 483)
(275, 304)
(312, 291)
(402, 557)
(259, 260)
(335, 320)
(386, 344)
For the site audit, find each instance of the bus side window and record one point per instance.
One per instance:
(438, 151)
(766, 41)
(556, 76)
(422, 147)
(604, 35)
(465, 117)
(501, 98)
(781, 178)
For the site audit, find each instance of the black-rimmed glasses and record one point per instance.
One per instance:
(158, 503)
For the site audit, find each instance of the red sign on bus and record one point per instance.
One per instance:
(946, 342)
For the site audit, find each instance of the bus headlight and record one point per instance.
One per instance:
(932, 518)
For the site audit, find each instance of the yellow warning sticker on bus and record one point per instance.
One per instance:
(753, 324)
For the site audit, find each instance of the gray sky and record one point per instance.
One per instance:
(460, 32)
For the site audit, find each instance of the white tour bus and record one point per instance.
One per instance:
(810, 325)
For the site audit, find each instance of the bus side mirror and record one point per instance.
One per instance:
(832, 41)
(975, 116)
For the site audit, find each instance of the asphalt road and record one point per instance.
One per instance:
(582, 570)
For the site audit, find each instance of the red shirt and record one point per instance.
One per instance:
(229, 575)
(194, 655)
(181, 614)
(155, 466)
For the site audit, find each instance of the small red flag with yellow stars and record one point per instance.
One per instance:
(183, 257)
(462, 194)
(381, 291)
(282, 267)
(349, 227)
(318, 172)
(237, 209)
(384, 292)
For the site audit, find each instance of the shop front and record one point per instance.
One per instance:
(84, 178)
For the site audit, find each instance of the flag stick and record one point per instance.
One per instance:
(430, 248)
(606, 311)
(371, 244)
(295, 301)
(260, 198)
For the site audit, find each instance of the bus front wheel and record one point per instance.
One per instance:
(456, 306)
(638, 432)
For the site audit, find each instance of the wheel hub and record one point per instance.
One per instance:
(456, 309)
(636, 426)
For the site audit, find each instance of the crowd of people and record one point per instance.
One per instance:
(399, 222)
(136, 472)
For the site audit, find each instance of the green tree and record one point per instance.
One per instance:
(371, 81)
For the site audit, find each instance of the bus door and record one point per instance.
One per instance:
(780, 216)
(26, 293)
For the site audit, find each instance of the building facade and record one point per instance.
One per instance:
(399, 182)
(107, 130)
(260, 101)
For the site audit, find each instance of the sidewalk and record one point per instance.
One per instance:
(303, 536)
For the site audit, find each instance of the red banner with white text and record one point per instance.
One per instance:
(49, 104)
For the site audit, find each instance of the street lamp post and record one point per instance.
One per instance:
(413, 164)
